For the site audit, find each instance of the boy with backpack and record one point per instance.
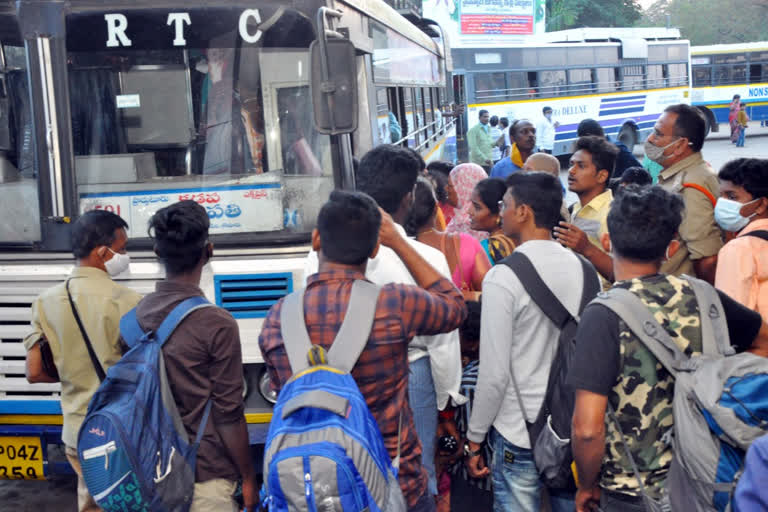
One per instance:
(629, 367)
(519, 340)
(350, 228)
(167, 427)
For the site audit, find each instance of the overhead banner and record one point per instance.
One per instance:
(486, 23)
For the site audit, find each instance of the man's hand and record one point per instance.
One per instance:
(388, 234)
(476, 466)
(250, 494)
(572, 237)
(588, 500)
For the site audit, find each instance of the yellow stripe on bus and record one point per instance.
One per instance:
(434, 149)
(748, 104)
(761, 84)
(56, 419)
(602, 95)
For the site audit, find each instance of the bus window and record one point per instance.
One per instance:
(758, 69)
(656, 76)
(580, 81)
(389, 130)
(18, 176)
(429, 116)
(633, 77)
(606, 79)
(552, 83)
(418, 115)
(490, 87)
(408, 125)
(702, 76)
(224, 118)
(677, 74)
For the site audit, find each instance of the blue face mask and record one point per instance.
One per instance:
(728, 214)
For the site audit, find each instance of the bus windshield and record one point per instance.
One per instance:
(211, 105)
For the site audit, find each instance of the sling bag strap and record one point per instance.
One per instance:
(549, 304)
(91, 353)
(761, 234)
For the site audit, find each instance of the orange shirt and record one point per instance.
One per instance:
(742, 269)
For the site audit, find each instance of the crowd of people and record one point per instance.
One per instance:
(460, 351)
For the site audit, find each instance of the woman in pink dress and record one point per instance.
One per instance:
(733, 117)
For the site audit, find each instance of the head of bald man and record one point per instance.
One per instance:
(544, 163)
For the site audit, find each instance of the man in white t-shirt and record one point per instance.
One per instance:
(495, 133)
(545, 131)
(388, 174)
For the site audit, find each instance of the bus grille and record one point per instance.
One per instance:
(251, 296)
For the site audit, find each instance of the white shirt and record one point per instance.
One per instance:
(516, 336)
(443, 350)
(545, 134)
(496, 151)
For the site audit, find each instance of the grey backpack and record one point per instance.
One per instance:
(720, 403)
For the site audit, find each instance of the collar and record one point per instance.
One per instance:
(92, 272)
(755, 225)
(334, 275)
(486, 128)
(175, 287)
(516, 157)
(598, 202)
(689, 161)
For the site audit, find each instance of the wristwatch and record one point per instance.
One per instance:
(469, 453)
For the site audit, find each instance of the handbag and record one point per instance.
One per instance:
(46, 356)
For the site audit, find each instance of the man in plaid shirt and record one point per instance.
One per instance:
(350, 229)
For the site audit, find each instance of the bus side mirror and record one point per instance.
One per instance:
(333, 86)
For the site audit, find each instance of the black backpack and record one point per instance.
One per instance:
(550, 432)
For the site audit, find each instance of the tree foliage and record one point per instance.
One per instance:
(565, 14)
(711, 21)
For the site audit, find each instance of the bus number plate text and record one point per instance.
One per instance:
(21, 458)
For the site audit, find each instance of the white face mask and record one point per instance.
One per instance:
(117, 264)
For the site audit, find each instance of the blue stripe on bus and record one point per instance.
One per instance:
(609, 130)
(30, 407)
(181, 190)
(612, 122)
(621, 98)
(610, 112)
(623, 104)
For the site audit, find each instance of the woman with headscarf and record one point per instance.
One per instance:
(466, 259)
(464, 178)
(486, 216)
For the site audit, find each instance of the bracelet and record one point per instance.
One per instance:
(446, 414)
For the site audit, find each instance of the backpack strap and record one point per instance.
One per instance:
(539, 292)
(592, 283)
(351, 338)
(130, 329)
(91, 353)
(356, 328)
(715, 338)
(641, 322)
(177, 315)
(760, 233)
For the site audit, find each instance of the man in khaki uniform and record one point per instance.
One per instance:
(676, 143)
(98, 243)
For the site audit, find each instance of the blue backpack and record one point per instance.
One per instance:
(324, 449)
(132, 446)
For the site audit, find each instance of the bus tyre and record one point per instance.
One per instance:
(628, 136)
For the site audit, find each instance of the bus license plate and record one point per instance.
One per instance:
(21, 458)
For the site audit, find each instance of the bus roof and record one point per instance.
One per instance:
(730, 48)
(608, 34)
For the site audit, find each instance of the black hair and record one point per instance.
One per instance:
(180, 232)
(470, 328)
(643, 221)
(749, 173)
(590, 127)
(348, 224)
(504, 121)
(603, 152)
(388, 173)
(440, 166)
(94, 229)
(424, 205)
(481, 113)
(440, 181)
(636, 176)
(546, 109)
(690, 123)
(491, 191)
(736, 96)
(494, 120)
(516, 124)
(542, 192)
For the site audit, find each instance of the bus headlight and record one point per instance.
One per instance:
(265, 389)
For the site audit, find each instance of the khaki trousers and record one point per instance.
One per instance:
(85, 502)
(214, 496)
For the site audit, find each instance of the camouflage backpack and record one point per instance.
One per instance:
(720, 402)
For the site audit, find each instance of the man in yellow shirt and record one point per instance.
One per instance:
(98, 243)
(591, 166)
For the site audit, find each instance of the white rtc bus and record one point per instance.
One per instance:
(722, 70)
(621, 77)
(131, 106)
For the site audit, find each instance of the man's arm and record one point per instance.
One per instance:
(700, 232)
(760, 345)
(235, 439)
(706, 268)
(588, 442)
(34, 369)
(576, 239)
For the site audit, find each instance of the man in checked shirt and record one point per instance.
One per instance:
(350, 229)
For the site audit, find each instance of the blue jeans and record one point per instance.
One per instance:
(423, 401)
(516, 485)
(740, 140)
